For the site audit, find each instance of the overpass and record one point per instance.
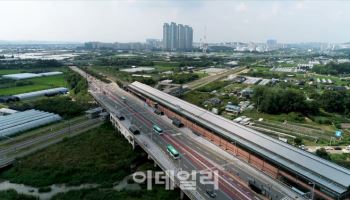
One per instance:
(236, 179)
(273, 157)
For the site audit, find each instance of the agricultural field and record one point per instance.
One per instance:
(30, 85)
(11, 71)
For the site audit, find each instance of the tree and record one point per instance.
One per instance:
(335, 101)
(322, 153)
(277, 100)
(298, 141)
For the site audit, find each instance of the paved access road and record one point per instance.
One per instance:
(208, 79)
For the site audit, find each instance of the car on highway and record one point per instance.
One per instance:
(157, 129)
(158, 112)
(119, 116)
(348, 148)
(337, 148)
(134, 129)
(123, 98)
(177, 122)
(211, 193)
(172, 151)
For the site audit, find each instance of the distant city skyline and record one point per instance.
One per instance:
(135, 21)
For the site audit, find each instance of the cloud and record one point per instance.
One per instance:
(242, 7)
(134, 20)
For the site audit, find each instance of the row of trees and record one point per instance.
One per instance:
(29, 64)
(277, 100)
(334, 101)
(76, 83)
(182, 78)
(125, 62)
(61, 105)
(332, 68)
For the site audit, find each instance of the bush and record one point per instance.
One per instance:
(322, 120)
(278, 100)
(63, 106)
(322, 153)
(44, 189)
(298, 141)
(13, 195)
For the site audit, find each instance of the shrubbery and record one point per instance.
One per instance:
(63, 106)
(332, 68)
(277, 100)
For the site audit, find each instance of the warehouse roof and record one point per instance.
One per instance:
(7, 111)
(30, 75)
(21, 121)
(21, 76)
(41, 93)
(305, 164)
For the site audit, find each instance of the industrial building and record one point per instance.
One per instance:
(22, 121)
(21, 76)
(48, 92)
(304, 172)
(93, 113)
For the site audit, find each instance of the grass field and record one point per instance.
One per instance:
(98, 156)
(40, 83)
(11, 71)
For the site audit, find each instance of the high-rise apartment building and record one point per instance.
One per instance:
(181, 36)
(271, 45)
(188, 37)
(177, 37)
(166, 36)
(174, 36)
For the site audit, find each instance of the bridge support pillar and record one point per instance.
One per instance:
(133, 145)
(182, 195)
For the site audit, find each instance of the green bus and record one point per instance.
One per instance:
(173, 152)
(157, 129)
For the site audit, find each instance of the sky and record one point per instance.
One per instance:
(135, 20)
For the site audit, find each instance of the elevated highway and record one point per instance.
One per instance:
(197, 154)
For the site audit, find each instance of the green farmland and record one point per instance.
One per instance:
(32, 85)
(11, 71)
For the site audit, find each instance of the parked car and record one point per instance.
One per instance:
(329, 148)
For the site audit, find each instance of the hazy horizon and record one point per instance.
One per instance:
(135, 21)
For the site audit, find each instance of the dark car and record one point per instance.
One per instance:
(134, 129)
(337, 148)
(177, 122)
(211, 193)
(119, 116)
(158, 112)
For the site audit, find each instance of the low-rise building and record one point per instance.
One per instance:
(212, 101)
(233, 108)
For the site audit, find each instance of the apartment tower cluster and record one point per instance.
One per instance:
(177, 37)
